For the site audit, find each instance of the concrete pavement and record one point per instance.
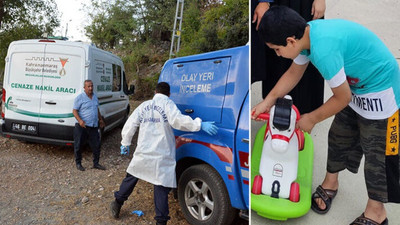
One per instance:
(383, 18)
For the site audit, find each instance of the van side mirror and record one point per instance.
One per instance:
(131, 90)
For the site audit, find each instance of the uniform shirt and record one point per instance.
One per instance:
(87, 109)
(342, 50)
(154, 156)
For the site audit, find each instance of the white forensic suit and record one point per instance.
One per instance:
(154, 158)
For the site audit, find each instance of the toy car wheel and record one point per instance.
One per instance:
(300, 138)
(257, 185)
(203, 197)
(294, 192)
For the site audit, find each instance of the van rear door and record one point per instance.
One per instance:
(63, 76)
(242, 149)
(23, 73)
(198, 87)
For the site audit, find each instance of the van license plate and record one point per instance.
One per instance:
(24, 128)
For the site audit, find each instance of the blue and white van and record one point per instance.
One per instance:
(212, 171)
(43, 77)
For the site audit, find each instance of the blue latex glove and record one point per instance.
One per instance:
(138, 212)
(124, 150)
(209, 128)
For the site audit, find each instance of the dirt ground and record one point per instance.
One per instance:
(39, 184)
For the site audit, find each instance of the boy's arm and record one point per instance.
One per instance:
(339, 100)
(285, 84)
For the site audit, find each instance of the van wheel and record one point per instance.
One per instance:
(203, 197)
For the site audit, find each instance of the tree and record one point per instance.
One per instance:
(159, 15)
(213, 25)
(130, 21)
(24, 19)
(112, 23)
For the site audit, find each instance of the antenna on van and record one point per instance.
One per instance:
(176, 33)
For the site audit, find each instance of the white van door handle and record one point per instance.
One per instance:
(51, 103)
(189, 110)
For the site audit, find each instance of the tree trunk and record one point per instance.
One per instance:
(1, 11)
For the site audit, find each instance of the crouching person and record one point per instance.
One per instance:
(154, 158)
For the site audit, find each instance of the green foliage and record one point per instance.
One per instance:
(138, 63)
(112, 23)
(146, 85)
(129, 22)
(25, 19)
(224, 25)
(138, 68)
(157, 17)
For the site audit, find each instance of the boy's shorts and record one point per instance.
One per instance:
(352, 136)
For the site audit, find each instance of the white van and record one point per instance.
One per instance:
(43, 77)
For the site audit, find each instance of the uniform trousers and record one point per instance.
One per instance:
(160, 197)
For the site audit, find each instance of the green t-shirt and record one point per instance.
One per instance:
(343, 50)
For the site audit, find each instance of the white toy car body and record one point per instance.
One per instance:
(279, 159)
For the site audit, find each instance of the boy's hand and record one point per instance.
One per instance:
(306, 123)
(261, 8)
(262, 107)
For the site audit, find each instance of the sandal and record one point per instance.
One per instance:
(362, 220)
(326, 195)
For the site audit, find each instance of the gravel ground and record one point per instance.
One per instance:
(39, 184)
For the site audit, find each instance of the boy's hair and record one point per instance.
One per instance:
(163, 88)
(279, 23)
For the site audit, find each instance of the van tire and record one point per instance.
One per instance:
(204, 177)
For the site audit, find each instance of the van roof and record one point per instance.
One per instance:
(61, 42)
(72, 43)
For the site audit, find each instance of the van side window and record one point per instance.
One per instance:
(116, 78)
(125, 87)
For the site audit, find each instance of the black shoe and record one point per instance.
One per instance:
(80, 167)
(163, 223)
(99, 167)
(115, 207)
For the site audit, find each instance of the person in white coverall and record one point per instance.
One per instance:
(154, 158)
